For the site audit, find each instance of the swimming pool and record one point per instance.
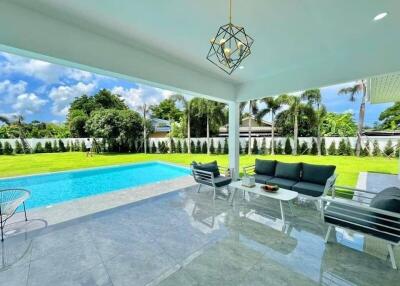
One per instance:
(49, 189)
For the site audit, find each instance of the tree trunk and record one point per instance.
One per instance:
(170, 136)
(296, 131)
(208, 136)
(273, 134)
(318, 132)
(144, 130)
(361, 121)
(249, 151)
(188, 132)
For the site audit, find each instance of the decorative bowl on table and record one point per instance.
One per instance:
(270, 188)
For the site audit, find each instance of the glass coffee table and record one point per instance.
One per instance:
(282, 195)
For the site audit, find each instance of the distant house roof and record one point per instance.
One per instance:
(381, 132)
(262, 128)
(160, 125)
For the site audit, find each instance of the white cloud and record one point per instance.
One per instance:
(9, 90)
(62, 96)
(141, 94)
(28, 103)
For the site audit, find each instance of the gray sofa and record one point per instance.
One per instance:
(306, 179)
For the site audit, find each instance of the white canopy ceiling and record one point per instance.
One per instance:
(298, 44)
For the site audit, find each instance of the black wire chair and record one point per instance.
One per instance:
(10, 200)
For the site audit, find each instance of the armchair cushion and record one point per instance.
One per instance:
(208, 167)
(388, 200)
(282, 183)
(265, 167)
(317, 174)
(222, 181)
(309, 189)
(290, 171)
(262, 179)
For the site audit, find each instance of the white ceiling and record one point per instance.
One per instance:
(298, 44)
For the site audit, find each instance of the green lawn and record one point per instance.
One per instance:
(347, 167)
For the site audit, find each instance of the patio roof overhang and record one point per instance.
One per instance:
(298, 45)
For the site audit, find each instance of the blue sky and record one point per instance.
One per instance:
(43, 91)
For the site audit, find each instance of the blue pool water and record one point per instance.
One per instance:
(54, 188)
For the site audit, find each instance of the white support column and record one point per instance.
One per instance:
(234, 138)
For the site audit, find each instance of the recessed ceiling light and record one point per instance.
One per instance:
(380, 16)
(241, 67)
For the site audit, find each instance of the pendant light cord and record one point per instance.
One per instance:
(230, 11)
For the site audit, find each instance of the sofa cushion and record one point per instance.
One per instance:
(309, 189)
(222, 181)
(265, 167)
(290, 171)
(208, 167)
(262, 179)
(282, 183)
(358, 220)
(317, 174)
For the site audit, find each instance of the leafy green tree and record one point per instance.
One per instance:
(273, 104)
(198, 147)
(77, 125)
(376, 151)
(8, 150)
(359, 87)
(389, 150)
(18, 148)
(390, 117)
(335, 124)
(304, 148)
(187, 109)
(47, 147)
(342, 149)
(185, 147)
(212, 148)
(226, 147)
(332, 149)
(219, 148)
(253, 111)
(263, 149)
(167, 110)
(204, 147)
(323, 147)
(288, 147)
(179, 147)
(314, 148)
(279, 149)
(1, 149)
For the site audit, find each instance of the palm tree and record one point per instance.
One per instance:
(18, 122)
(313, 96)
(187, 109)
(144, 109)
(273, 104)
(294, 104)
(253, 110)
(359, 87)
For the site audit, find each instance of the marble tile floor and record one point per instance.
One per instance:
(184, 238)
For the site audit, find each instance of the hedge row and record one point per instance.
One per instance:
(48, 147)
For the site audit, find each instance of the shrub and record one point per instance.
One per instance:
(219, 148)
(349, 150)
(365, 150)
(192, 147)
(38, 148)
(323, 147)
(376, 151)
(226, 147)
(288, 147)
(55, 147)
(254, 150)
(342, 149)
(83, 146)
(163, 148)
(246, 148)
(389, 150)
(304, 148)
(18, 148)
(61, 146)
(47, 147)
(332, 149)
(212, 148)
(397, 153)
(279, 149)
(185, 147)
(314, 147)
(68, 148)
(153, 148)
(1, 149)
(76, 146)
(173, 148)
(204, 147)
(8, 150)
(240, 148)
(179, 147)
(263, 149)
(198, 147)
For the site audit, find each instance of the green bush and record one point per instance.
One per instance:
(55, 147)
(263, 149)
(204, 147)
(332, 149)
(83, 146)
(376, 151)
(246, 147)
(349, 150)
(47, 147)
(198, 147)
(173, 147)
(1, 149)
(279, 148)
(288, 147)
(219, 148)
(179, 147)
(389, 150)
(192, 147)
(38, 148)
(61, 146)
(342, 149)
(185, 147)
(212, 148)
(254, 150)
(18, 147)
(397, 153)
(304, 148)
(365, 151)
(323, 147)
(8, 150)
(226, 147)
(68, 147)
(314, 147)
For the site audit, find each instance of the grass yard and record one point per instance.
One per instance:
(347, 167)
